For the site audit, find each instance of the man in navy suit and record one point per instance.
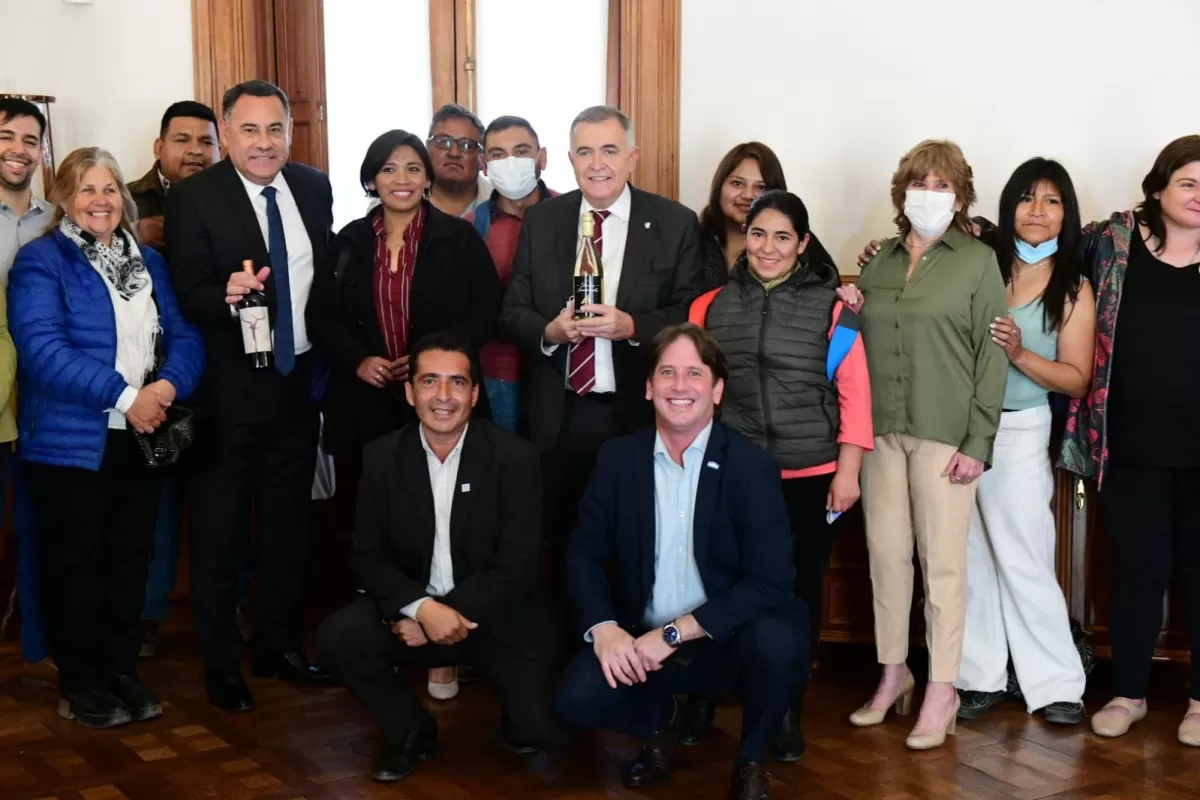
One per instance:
(693, 514)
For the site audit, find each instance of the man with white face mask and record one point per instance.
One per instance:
(514, 163)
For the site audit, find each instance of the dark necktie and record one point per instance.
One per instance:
(285, 338)
(581, 358)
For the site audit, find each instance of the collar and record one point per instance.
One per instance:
(453, 452)
(36, 206)
(162, 179)
(619, 208)
(952, 238)
(255, 190)
(700, 443)
(494, 209)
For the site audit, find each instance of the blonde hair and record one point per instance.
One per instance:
(70, 175)
(944, 159)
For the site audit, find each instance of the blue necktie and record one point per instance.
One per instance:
(285, 338)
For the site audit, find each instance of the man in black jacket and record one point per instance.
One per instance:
(253, 206)
(447, 555)
(587, 377)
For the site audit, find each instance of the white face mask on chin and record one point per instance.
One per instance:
(929, 213)
(513, 177)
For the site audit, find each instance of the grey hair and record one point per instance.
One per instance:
(455, 111)
(595, 114)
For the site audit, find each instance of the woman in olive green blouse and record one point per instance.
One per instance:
(937, 384)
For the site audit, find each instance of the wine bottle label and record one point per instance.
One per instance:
(587, 290)
(256, 329)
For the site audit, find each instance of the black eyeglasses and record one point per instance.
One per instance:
(445, 142)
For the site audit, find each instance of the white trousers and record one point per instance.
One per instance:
(1014, 602)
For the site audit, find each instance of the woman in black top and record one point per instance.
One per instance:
(401, 272)
(745, 173)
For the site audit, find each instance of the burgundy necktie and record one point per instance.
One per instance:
(581, 358)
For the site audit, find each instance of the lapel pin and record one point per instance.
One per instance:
(647, 226)
(466, 487)
(713, 465)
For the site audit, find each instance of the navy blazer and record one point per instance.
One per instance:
(741, 537)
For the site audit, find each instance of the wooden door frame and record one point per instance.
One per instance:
(642, 76)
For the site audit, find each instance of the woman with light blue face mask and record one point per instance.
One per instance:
(1014, 604)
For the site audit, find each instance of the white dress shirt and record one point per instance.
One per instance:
(443, 479)
(614, 231)
(299, 249)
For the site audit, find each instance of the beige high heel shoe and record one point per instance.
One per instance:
(928, 740)
(1189, 729)
(1110, 723)
(866, 716)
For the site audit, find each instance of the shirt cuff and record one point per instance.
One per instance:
(635, 343)
(233, 312)
(411, 609)
(548, 349)
(587, 637)
(125, 401)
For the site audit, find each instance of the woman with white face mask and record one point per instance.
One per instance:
(937, 386)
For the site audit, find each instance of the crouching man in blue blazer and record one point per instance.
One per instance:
(694, 517)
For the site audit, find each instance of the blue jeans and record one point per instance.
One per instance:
(164, 563)
(33, 629)
(504, 398)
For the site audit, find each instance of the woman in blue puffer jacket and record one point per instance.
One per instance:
(102, 351)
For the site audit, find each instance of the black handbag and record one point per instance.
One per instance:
(165, 446)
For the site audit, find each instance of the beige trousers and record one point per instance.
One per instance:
(906, 499)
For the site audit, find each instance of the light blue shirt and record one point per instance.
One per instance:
(677, 586)
(1021, 391)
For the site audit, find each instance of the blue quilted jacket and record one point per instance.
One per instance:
(62, 322)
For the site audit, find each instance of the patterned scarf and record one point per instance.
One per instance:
(120, 263)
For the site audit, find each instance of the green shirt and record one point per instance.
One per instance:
(935, 371)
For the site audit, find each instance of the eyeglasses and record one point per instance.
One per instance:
(445, 142)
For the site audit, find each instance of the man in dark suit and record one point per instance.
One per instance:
(256, 206)
(447, 556)
(587, 375)
(693, 514)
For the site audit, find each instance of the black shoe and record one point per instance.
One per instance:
(227, 690)
(467, 674)
(656, 761)
(512, 742)
(750, 782)
(397, 763)
(292, 667)
(245, 626)
(1063, 713)
(150, 632)
(697, 719)
(789, 746)
(94, 709)
(142, 703)
(975, 704)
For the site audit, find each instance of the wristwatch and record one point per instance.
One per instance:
(671, 635)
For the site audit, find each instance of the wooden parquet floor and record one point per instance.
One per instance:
(317, 744)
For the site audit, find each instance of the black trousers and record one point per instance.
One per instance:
(361, 652)
(95, 531)
(264, 464)
(813, 540)
(1152, 517)
(588, 422)
(766, 661)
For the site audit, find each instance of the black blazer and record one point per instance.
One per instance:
(455, 287)
(741, 537)
(660, 276)
(495, 533)
(210, 228)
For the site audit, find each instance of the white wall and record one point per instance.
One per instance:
(544, 60)
(842, 90)
(372, 85)
(114, 67)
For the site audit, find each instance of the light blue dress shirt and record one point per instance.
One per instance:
(677, 586)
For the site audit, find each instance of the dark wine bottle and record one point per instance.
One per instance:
(255, 319)
(589, 271)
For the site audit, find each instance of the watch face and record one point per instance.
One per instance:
(671, 635)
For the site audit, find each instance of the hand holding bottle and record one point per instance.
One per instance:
(563, 328)
(242, 283)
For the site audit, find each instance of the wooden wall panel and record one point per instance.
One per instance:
(649, 89)
(232, 41)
